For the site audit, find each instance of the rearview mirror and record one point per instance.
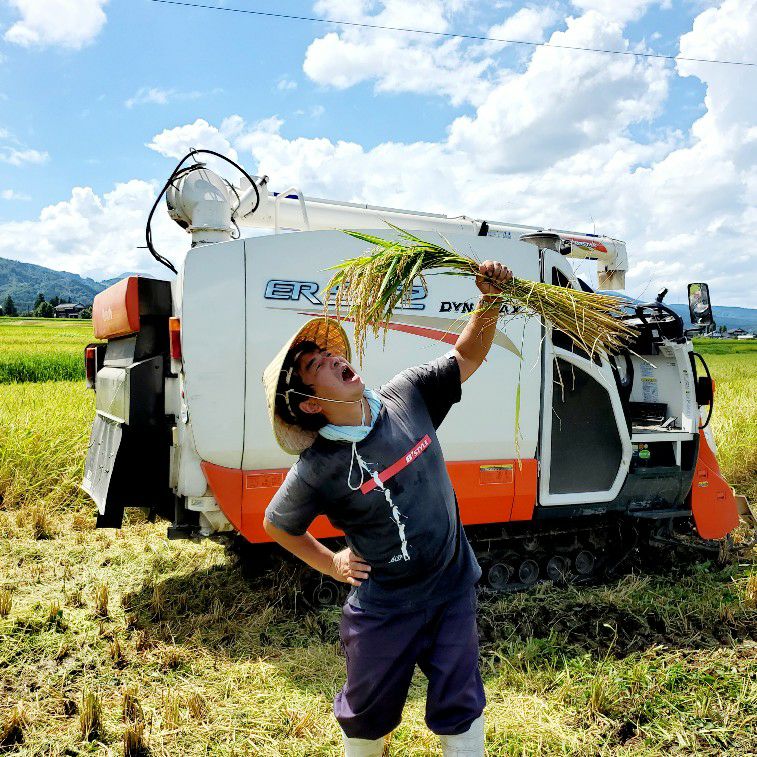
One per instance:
(699, 305)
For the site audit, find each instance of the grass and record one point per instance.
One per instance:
(43, 441)
(121, 642)
(734, 368)
(43, 349)
(643, 666)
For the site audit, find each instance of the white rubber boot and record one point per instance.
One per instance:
(468, 744)
(362, 747)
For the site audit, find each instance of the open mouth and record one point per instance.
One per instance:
(348, 374)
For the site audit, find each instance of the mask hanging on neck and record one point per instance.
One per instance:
(354, 433)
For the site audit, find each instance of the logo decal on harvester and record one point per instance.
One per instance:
(292, 291)
(279, 289)
(448, 306)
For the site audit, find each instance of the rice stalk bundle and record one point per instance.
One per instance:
(101, 600)
(13, 727)
(370, 286)
(90, 715)
(6, 602)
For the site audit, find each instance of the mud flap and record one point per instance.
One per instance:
(104, 442)
(127, 467)
(713, 503)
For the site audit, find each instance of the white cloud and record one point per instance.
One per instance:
(66, 23)
(398, 61)
(11, 194)
(94, 235)
(285, 84)
(15, 157)
(149, 95)
(160, 96)
(526, 24)
(619, 10)
(14, 152)
(463, 71)
(563, 102)
(177, 142)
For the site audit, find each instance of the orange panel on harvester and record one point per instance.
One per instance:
(488, 491)
(115, 312)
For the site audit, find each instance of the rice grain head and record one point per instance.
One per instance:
(368, 288)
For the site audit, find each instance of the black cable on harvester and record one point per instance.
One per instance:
(712, 399)
(177, 173)
(148, 227)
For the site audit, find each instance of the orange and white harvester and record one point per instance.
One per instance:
(603, 451)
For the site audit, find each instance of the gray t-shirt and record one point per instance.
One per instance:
(407, 524)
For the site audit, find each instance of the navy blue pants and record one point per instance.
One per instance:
(382, 651)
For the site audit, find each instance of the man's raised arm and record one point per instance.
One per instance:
(474, 342)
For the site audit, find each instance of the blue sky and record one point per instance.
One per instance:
(72, 104)
(87, 86)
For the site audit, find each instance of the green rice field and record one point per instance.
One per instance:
(125, 643)
(43, 349)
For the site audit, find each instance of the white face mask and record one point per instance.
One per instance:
(354, 433)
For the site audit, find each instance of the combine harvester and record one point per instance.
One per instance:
(612, 454)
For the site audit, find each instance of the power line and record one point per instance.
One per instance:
(451, 35)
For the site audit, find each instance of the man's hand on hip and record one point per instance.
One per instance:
(349, 567)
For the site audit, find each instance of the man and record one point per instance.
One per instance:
(371, 462)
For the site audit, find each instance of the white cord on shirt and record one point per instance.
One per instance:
(362, 466)
(361, 463)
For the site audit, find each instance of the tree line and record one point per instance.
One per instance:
(42, 308)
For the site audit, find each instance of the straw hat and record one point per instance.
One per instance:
(328, 334)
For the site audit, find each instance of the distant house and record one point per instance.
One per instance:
(736, 333)
(68, 310)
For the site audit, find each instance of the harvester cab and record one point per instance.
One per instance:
(576, 452)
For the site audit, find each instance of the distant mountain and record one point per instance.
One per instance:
(730, 317)
(725, 315)
(24, 281)
(116, 279)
